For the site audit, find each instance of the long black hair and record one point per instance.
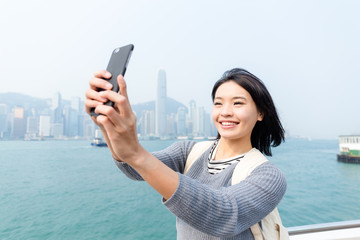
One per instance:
(269, 132)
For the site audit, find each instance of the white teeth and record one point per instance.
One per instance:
(228, 123)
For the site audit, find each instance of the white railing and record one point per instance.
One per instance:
(346, 230)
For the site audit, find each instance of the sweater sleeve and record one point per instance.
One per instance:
(173, 156)
(230, 210)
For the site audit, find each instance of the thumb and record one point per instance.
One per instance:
(122, 86)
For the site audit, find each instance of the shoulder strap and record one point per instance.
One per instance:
(271, 223)
(247, 164)
(196, 151)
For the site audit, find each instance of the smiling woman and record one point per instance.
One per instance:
(249, 98)
(205, 199)
(235, 115)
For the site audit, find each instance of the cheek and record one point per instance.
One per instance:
(214, 114)
(247, 115)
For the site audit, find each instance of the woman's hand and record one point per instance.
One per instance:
(117, 123)
(94, 99)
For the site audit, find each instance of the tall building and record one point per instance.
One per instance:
(57, 108)
(171, 125)
(160, 108)
(147, 123)
(193, 118)
(71, 121)
(44, 126)
(31, 128)
(19, 123)
(3, 120)
(32, 125)
(76, 104)
(88, 127)
(181, 121)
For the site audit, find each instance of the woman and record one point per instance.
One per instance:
(204, 202)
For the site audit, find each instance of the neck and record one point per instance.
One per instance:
(232, 147)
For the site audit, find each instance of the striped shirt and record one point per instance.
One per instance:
(216, 166)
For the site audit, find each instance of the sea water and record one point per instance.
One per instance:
(70, 190)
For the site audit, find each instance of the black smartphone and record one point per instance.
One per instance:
(117, 65)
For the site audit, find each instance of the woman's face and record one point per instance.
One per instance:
(234, 112)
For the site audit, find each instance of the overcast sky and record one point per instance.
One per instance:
(306, 52)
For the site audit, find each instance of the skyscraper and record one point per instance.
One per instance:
(44, 126)
(193, 118)
(181, 121)
(147, 122)
(19, 123)
(3, 120)
(160, 107)
(57, 109)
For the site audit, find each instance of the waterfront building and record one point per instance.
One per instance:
(171, 125)
(44, 126)
(32, 125)
(89, 127)
(71, 123)
(76, 104)
(31, 128)
(57, 109)
(181, 121)
(147, 123)
(160, 107)
(3, 120)
(18, 123)
(201, 121)
(193, 118)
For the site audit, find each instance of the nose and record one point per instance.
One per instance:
(226, 110)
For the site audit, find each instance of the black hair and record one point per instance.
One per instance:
(266, 133)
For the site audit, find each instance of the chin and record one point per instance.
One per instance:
(229, 136)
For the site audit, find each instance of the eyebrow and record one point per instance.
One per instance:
(234, 98)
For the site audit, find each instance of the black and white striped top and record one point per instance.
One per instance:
(217, 166)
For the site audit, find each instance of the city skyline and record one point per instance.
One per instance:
(62, 118)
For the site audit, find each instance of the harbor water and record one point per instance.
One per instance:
(70, 190)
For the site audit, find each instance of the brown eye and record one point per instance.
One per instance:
(238, 103)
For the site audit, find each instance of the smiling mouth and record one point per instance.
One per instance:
(229, 123)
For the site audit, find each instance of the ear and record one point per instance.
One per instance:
(260, 116)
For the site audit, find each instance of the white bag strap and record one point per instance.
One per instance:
(197, 150)
(247, 164)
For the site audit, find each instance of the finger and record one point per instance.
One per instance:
(109, 112)
(105, 123)
(89, 104)
(94, 95)
(102, 74)
(121, 102)
(122, 86)
(126, 108)
(98, 83)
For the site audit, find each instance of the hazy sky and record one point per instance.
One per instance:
(306, 52)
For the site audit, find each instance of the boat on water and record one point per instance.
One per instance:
(349, 149)
(98, 140)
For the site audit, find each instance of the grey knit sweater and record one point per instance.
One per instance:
(206, 206)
